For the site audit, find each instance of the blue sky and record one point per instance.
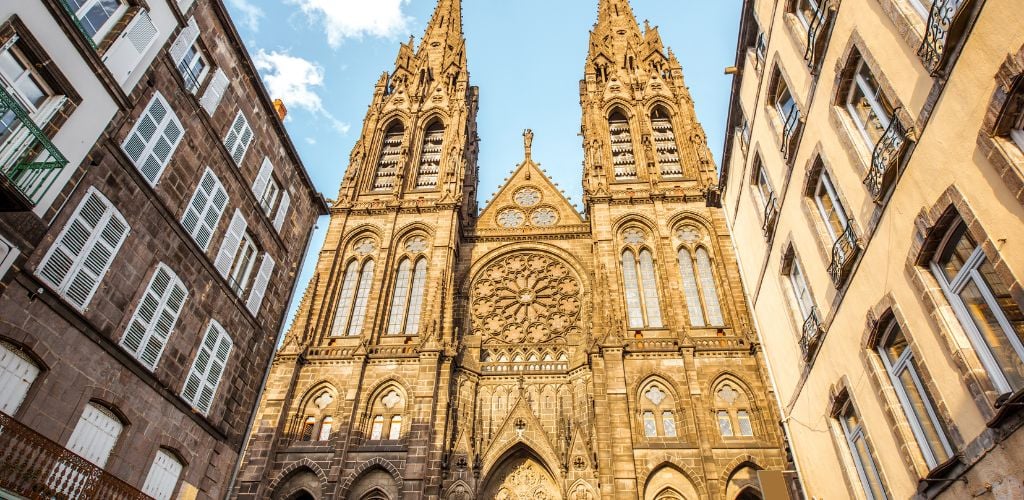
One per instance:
(323, 57)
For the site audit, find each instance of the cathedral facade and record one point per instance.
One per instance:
(524, 350)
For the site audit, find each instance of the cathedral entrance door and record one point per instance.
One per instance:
(521, 477)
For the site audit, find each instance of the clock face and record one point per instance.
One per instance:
(527, 197)
(544, 216)
(511, 217)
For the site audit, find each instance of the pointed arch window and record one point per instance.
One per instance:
(407, 300)
(657, 410)
(390, 156)
(355, 292)
(387, 415)
(699, 288)
(733, 412)
(642, 301)
(665, 143)
(623, 158)
(430, 156)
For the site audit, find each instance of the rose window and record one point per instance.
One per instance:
(530, 298)
(689, 235)
(366, 246)
(511, 217)
(634, 236)
(544, 216)
(416, 244)
(527, 197)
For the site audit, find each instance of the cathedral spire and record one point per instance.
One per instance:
(443, 41)
(616, 15)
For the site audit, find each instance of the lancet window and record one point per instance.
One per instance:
(387, 415)
(407, 299)
(699, 285)
(430, 156)
(390, 157)
(733, 411)
(665, 143)
(355, 291)
(657, 409)
(623, 158)
(643, 305)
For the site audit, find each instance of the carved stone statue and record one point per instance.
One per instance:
(528, 142)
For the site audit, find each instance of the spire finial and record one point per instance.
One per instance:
(528, 143)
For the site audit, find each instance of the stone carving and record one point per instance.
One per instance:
(416, 244)
(655, 395)
(527, 197)
(323, 400)
(689, 235)
(366, 246)
(391, 400)
(524, 482)
(526, 297)
(543, 217)
(511, 217)
(634, 236)
(728, 394)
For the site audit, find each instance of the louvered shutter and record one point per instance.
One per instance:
(186, 39)
(229, 247)
(282, 211)
(183, 5)
(155, 317)
(238, 139)
(83, 252)
(214, 92)
(262, 178)
(95, 435)
(126, 52)
(259, 287)
(163, 476)
(208, 367)
(205, 209)
(153, 140)
(17, 373)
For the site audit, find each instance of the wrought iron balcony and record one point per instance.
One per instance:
(790, 132)
(29, 161)
(886, 159)
(941, 19)
(843, 252)
(811, 334)
(771, 213)
(35, 467)
(817, 37)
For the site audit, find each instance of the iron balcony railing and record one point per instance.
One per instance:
(811, 334)
(35, 467)
(28, 159)
(844, 250)
(817, 37)
(941, 18)
(886, 158)
(771, 213)
(790, 132)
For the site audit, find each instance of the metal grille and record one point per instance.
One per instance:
(843, 251)
(886, 159)
(28, 158)
(941, 17)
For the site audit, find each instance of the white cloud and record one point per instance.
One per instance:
(251, 14)
(311, 141)
(357, 18)
(295, 81)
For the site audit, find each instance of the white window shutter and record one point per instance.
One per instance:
(163, 476)
(229, 247)
(259, 287)
(126, 52)
(186, 38)
(183, 5)
(205, 209)
(155, 317)
(262, 178)
(153, 139)
(282, 211)
(207, 368)
(82, 253)
(17, 373)
(214, 92)
(238, 139)
(95, 435)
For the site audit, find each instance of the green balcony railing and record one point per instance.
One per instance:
(28, 159)
(78, 23)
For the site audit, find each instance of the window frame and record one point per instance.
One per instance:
(852, 437)
(108, 25)
(825, 184)
(346, 312)
(1017, 132)
(796, 268)
(240, 274)
(799, 12)
(28, 71)
(876, 100)
(649, 309)
(969, 273)
(27, 376)
(906, 363)
(782, 87)
(148, 486)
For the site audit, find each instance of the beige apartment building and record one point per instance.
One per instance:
(873, 184)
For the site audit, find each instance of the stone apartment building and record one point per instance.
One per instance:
(526, 350)
(872, 182)
(154, 218)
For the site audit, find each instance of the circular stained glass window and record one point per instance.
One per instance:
(544, 216)
(527, 197)
(511, 217)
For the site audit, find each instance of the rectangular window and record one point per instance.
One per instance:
(155, 317)
(8, 254)
(760, 49)
(205, 209)
(783, 99)
(259, 286)
(163, 476)
(153, 139)
(901, 366)
(395, 431)
(724, 424)
(26, 86)
(668, 422)
(743, 419)
(241, 269)
(95, 434)
(214, 92)
(207, 368)
(650, 427)
(745, 132)
(1017, 133)
(96, 17)
(806, 11)
(801, 293)
(188, 56)
(265, 188)
(867, 106)
(863, 458)
(239, 138)
(378, 428)
(83, 251)
(17, 373)
(922, 7)
(230, 244)
(763, 185)
(282, 210)
(829, 207)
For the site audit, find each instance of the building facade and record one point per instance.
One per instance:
(872, 184)
(524, 350)
(154, 218)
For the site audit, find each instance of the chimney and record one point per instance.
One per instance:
(282, 111)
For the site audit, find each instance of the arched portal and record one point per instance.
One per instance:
(669, 483)
(521, 476)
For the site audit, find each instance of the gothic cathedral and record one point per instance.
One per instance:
(525, 350)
